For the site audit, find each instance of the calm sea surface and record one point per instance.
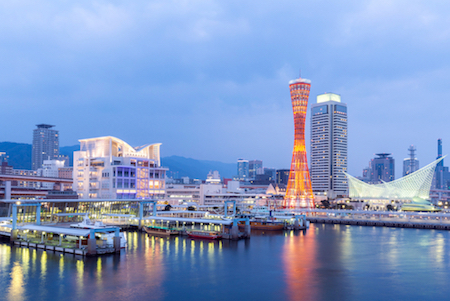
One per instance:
(327, 262)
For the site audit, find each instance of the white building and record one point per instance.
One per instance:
(109, 168)
(50, 169)
(328, 155)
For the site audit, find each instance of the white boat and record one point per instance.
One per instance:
(88, 224)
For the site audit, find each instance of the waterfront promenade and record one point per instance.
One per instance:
(420, 220)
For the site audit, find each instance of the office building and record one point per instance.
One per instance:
(242, 169)
(441, 179)
(255, 167)
(45, 145)
(382, 168)
(282, 176)
(299, 192)
(410, 164)
(109, 168)
(328, 155)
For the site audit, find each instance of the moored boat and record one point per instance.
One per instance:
(160, 231)
(204, 234)
(264, 225)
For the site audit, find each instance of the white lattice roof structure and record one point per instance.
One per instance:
(414, 185)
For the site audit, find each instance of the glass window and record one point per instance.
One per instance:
(320, 110)
(341, 109)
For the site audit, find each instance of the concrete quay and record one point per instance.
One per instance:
(426, 224)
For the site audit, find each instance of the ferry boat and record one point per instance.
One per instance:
(160, 231)
(204, 234)
(263, 225)
(108, 237)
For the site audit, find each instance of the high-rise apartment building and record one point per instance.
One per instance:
(382, 169)
(328, 155)
(255, 167)
(243, 169)
(298, 191)
(45, 145)
(410, 164)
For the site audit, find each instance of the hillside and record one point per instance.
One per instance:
(20, 158)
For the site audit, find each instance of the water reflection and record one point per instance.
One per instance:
(299, 261)
(16, 290)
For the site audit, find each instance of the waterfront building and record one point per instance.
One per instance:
(109, 168)
(328, 155)
(382, 168)
(45, 145)
(255, 167)
(299, 192)
(414, 187)
(410, 164)
(242, 169)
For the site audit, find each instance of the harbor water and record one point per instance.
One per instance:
(326, 262)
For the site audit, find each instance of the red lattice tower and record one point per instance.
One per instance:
(299, 192)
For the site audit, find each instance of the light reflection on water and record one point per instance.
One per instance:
(326, 262)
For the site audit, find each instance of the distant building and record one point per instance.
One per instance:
(213, 177)
(282, 176)
(5, 169)
(109, 168)
(255, 167)
(410, 164)
(328, 155)
(242, 169)
(50, 169)
(382, 168)
(65, 172)
(45, 145)
(441, 179)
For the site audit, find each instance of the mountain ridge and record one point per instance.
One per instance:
(179, 166)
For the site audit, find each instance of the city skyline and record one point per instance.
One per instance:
(170, 71)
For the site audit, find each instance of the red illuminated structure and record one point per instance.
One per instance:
(299, 192)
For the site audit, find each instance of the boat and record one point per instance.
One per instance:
(160, 231)
(204, 234)
(107, 237)
(263, 225)
(88, 224)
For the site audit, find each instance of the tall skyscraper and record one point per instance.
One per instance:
(45, 145)
(441, 178)
(329, 146)
(410, 164)
(299, 192)
(382, 169)
(255, 167)
(242, 169)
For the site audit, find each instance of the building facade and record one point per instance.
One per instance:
(382, 168)
(299, 192)
(242, 169)
(328, 155)
(109, 168)
(255, 167)
(45, 145)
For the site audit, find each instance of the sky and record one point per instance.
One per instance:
(209, 79)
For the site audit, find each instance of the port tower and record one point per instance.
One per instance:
(299, 192)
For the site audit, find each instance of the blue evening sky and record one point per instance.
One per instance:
(209, 79)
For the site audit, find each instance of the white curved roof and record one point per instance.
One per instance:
(414, 185)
